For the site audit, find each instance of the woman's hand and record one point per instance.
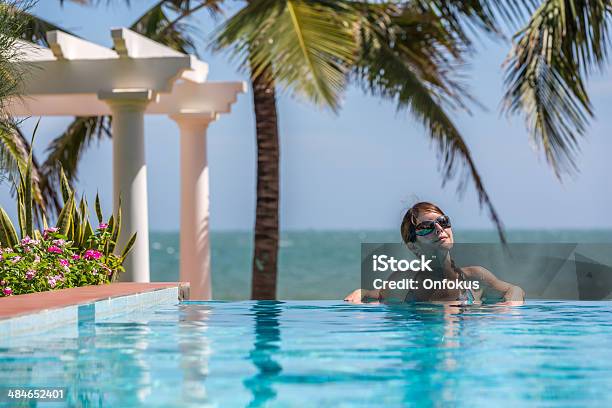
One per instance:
(514, 296)
(355, 296)
(359, 295)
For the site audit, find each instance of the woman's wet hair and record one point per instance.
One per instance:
(410, 221)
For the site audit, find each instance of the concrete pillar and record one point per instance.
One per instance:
(195, 241)
(130, 177)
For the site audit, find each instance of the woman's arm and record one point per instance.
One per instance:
(398, 295)
(510, 292)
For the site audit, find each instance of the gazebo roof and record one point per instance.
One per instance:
(74, 76)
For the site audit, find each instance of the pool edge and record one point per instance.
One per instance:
(86, 304)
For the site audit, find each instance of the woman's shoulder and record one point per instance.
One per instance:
(475, 271)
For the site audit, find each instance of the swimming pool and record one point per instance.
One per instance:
(235, 354)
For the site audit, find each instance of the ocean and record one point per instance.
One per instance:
(316, 265)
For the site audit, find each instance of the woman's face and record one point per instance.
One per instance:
(439, 239)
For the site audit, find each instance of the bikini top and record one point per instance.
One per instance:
(466, 297)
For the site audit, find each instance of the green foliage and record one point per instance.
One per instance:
(68, 255)
(308, 45)
(562, 43)
(53, 262)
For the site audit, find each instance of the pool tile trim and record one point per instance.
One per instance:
(37, 312)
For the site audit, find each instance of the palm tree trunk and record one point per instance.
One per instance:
(266, 214)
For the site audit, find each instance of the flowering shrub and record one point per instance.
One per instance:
(69, 255)
(53, 262)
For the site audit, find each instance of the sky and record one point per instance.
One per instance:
(359, 169)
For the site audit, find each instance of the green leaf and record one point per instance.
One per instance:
(8, 233)
(76, 227)
(99, 209)
(116, 229)
(84, 210)
(64, 220)
(87, 231)
(110, 228)
(21, 218)
(21, 208)
(65, 185)
(128, 247)
(27, 198)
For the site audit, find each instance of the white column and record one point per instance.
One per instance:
(130, 177)
(195, 241)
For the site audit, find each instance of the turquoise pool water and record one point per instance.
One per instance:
(325, 354)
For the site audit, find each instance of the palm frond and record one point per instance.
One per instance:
(12, 156)
(409, 57)
(66, 150)
(307, 44)
(161, 23)
(35, 29)
(462, 16)
(563, 42)
(13, 24)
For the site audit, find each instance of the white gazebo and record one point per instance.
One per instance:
(75, 77)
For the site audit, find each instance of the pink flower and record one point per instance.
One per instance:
(94, 271)
(16, 259)
(30, 274)
(92, 254)
(64, 262)
(2, 282)
(36, 259)
(29, 241)
(48, 231)
(102, 226)
(54, 249)
(76, 257)
(51, 281)
(7, 291)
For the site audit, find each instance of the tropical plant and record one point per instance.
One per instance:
(70, 254)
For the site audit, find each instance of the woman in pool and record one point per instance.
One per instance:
(426, 230)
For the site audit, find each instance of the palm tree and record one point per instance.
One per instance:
(402, 51)
(281, 43)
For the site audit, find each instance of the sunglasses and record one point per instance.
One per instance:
(427, 227)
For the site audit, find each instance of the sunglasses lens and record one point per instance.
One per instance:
(444, 221)
(424, 231)
(424, 228)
